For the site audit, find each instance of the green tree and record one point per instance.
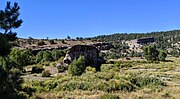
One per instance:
(9, 79)
(20, 58)
(162, 55)
(9, 20)
(56, 54)
(39, 57)
(77, 67)
(47, 56)
(68, 37)
(151, 53)
(4, 45)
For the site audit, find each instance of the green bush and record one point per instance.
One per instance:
(104, 75)
(74, 85)
(47, 56)
(107, 67)
(45, 63)
(41, 43)
(113, 85)
(51, 42)
(123, 64)
(39, 56)
(90, 69)
(162, 55)
(77, 67)
(46, 73)
(15, 71)
(61, 59)
(20, 58)
(56, 54)
(151, 53)
(147, 82)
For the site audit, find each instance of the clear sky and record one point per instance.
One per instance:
(88, 18)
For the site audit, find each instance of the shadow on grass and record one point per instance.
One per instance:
(168, 61)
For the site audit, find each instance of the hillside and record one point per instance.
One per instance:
(121, 43)
(163, 39)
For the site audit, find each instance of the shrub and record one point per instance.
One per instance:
(46, 73)
(46, 63)
(90, 69)
(15, 71)
(56, 54)
(147, 82)
(162, 55)
(151, 53)
(123, 65)
(47, 56)
(74, 85)
(109, 67)
(37, 69)
(63, 41)
(77, 67)
(39, 56)
(113, 85)
(20, 58)
(52, 42)
(61, 59)
(41, 43)
(104, 75)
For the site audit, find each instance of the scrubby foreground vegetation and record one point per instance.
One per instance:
(122, 79)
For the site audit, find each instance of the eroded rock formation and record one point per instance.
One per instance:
(90, 53)
(145, 40)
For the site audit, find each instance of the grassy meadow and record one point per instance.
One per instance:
(132, 79)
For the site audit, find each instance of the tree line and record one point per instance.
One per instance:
(163, 39)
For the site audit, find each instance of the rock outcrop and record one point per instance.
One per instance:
(90, 53)
(145, 40)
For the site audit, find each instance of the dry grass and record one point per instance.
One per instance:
(168, 72)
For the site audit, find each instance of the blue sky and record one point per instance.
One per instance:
(88, 18)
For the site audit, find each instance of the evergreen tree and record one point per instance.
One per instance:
(151, 53)
(9, 79)
(39, 57)
(4, 46)
(162, 55)
(20, 58)
(47, 56)
(9, 20)
(77, 67)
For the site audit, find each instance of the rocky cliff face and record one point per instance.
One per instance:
(90, 52)
(145, 40)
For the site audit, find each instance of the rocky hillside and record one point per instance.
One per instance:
(163, 39)
(46, 44)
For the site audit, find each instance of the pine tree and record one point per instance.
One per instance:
(77, 67)
(9, 20)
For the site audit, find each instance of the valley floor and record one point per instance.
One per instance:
(133, 79)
